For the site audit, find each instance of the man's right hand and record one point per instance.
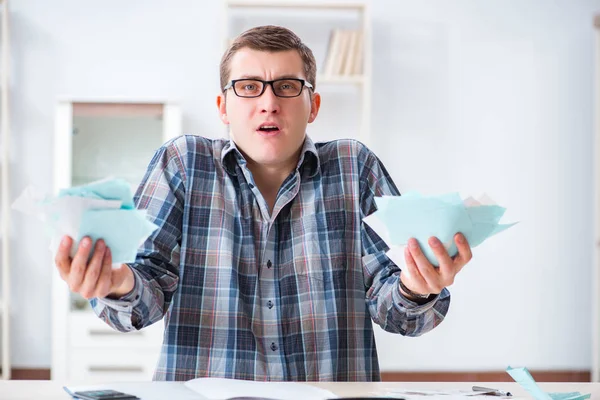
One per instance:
(95, 278)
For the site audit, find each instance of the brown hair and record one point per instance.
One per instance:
(270, 38)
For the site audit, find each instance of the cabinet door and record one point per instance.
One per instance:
(93, 141)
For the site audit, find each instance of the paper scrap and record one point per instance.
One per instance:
(524, 378)
(101, 210)
(399, 218)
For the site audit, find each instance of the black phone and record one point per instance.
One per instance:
(103, 395)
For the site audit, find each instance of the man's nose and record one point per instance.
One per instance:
(269, 102)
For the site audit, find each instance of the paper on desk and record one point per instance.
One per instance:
(441, 394)
(101, 210)
(399, 218)
(221, 388)
(524, 378)
(154, 390)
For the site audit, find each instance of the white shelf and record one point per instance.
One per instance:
(296, 4)
(340, 79)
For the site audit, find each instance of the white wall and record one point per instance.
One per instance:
(469, 95)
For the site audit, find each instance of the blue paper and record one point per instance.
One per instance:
(400, 218)
(101, 210)
(123, 231)
(524, 378)
(107, 189)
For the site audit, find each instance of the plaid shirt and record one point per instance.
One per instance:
(249, 294)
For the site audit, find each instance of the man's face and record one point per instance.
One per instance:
(269, 130)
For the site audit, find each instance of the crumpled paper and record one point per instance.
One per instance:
(399, 218)
(102, 209)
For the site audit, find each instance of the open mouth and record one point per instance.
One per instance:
(268, 129)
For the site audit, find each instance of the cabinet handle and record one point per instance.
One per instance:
(100, 332)
(108, 368)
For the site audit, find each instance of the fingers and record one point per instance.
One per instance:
(92, 271)
(464, 252)
(447, 269)
(62, 258)
(411, 277)
(428, 271)
(104, 281)
(436, 279)
(79, 264)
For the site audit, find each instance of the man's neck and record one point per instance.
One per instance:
(269, 178)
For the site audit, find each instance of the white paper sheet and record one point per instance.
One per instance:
(220, 389)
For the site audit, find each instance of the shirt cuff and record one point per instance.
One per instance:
(128, 301)
(403, 304)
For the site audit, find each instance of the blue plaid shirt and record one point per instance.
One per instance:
(283, 296)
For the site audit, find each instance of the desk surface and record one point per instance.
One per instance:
(53, 390)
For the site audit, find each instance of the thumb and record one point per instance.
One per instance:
(122, 279)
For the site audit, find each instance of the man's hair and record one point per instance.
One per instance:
(269, 38)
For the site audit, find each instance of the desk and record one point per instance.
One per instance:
(52, 390)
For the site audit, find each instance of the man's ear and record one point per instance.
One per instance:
(315, 104)
(221, 105)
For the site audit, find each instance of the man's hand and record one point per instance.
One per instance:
(423, 278)
(96, 278)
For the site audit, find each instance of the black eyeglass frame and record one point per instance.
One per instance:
(304, 84)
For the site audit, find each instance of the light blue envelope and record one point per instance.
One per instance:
(122, 230)
(421, 217)
(107, 189)
(524, 378)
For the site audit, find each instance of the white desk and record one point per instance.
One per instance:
(52, 390)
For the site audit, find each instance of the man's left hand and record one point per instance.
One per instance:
(421, 277)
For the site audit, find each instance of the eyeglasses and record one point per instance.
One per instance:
(288, 87)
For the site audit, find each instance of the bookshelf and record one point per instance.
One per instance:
(339, 34)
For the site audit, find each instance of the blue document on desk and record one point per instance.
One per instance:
(524, 378)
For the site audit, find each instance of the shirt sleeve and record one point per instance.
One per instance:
(387, 306)
(156, 268)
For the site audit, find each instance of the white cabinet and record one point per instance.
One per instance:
(98, 353)
(596, 271)
(94, 140)
(4, 191)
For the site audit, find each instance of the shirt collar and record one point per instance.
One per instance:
(309, 158)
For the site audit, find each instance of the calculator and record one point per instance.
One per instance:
(103, 395)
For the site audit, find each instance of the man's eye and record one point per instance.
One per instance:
(250, 87)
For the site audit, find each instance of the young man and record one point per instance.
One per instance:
(262, 266)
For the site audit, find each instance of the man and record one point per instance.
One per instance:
(262, 266)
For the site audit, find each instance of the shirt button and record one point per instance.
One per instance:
(269, 264)
(274, 346)
(270, 304)
(251, 186)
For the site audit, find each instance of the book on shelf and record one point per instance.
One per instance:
(344, 56)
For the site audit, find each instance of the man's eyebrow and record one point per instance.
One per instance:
(286, 76)
(250, 77)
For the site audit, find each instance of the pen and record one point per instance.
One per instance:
(494, 392)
